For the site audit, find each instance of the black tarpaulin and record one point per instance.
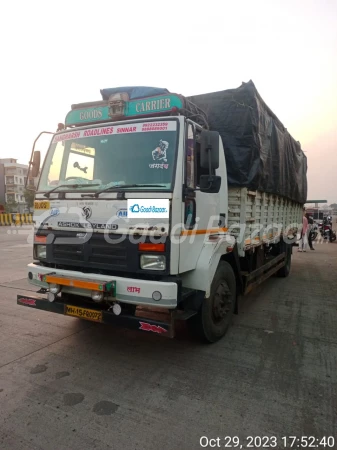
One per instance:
(260, 153)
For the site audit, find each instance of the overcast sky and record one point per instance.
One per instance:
(54, 54)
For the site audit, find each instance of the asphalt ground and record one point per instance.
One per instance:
(70, 384)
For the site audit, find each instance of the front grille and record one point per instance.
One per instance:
(97, 254)
(72, 252)
(108, 254)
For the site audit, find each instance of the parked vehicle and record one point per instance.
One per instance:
(314, 231)
(326, 230)
(145, 202)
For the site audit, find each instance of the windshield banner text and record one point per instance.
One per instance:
(117, 129)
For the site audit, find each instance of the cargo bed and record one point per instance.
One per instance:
(256, 217)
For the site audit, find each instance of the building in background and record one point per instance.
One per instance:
(319, 213)
(12, 183)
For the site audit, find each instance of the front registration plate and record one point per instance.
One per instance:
(83, 313)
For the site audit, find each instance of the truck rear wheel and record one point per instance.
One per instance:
(216, 313)
(285, 270)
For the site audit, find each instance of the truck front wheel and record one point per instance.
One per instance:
(216, 312)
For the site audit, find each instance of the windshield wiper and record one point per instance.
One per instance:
(47, 194)
(123, 186)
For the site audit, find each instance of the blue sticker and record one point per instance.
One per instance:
(54, 212)
(134, 208)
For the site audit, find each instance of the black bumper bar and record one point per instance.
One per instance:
(96, 315)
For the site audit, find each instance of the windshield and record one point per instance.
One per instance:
(107, 156)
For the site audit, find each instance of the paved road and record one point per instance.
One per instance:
(68, 385)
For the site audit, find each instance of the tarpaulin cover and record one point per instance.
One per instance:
(260, 153)
(134, 91)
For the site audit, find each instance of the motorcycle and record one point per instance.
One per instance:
(326, 230)
(314, 231)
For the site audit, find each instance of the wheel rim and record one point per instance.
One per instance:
(222, 302)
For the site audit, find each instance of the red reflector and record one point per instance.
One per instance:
(40, 239)
(145, 247)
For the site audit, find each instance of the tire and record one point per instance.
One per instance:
(285, 270)
(215, 315)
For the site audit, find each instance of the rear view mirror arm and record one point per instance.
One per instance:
(32, 153)
(209, 150)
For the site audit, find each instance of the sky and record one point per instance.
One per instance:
(54, 54)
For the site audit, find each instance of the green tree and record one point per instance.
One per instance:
(29, 197)
(11, 206)
(333, 205)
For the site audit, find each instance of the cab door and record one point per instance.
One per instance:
(199, 210)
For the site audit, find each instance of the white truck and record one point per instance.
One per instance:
(137, 224)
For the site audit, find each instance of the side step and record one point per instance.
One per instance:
(187, 293)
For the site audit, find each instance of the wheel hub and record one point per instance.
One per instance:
(221, 302)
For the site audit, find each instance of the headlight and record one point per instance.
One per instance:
(153, 262)
(41, 251)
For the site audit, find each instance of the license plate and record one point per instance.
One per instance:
(83, 313)
(44, 204)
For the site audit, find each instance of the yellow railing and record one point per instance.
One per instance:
(16, 219)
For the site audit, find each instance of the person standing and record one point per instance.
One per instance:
(304, 234)
(310, 231)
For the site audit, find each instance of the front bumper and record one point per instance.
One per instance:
(128, 290)
(94, 314)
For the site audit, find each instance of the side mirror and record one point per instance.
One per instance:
(36, 164)
(209, 150)
(210, 184)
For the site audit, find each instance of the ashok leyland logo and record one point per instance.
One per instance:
(146, 209)
(86, 212)
(122, 213)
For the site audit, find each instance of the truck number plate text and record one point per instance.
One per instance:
(83, 313)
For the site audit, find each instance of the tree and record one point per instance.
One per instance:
(29, 197)
(11, 206)
(333, 206)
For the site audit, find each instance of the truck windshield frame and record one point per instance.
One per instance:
(102, 156)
